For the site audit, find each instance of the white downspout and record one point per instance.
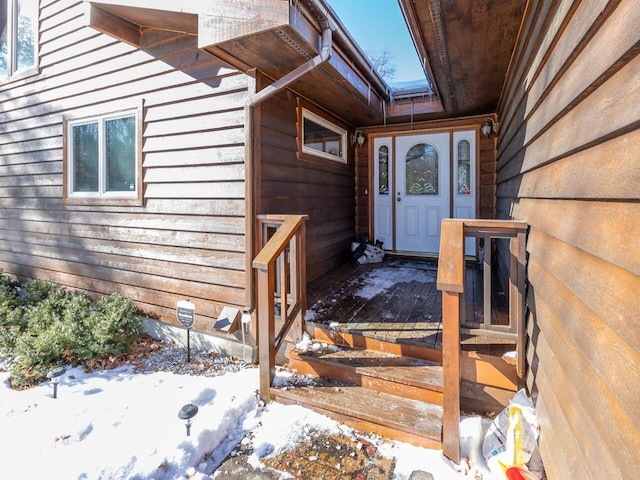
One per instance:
(326, 50)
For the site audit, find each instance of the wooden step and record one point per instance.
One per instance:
(382, 372)
(399, 375)
(391, 416)
(479, 368)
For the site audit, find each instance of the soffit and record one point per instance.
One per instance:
(466, 47)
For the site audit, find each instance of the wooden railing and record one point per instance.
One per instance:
(281, 272)
(451, 281)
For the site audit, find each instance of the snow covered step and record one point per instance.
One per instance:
(391, 416)
(382, 372)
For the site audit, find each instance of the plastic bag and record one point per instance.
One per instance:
(512, 437)
(364, 253)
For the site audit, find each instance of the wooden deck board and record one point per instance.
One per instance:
(407, 311)
(403, 414)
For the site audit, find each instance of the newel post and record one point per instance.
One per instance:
(266, 330)
(451, 283)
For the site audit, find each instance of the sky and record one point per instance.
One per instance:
(379, 25)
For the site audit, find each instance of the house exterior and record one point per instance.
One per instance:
(141, 140)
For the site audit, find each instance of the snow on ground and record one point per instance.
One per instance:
(123, 424)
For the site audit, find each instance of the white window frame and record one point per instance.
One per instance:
(12, 32)
(102, 192)
(342, 157)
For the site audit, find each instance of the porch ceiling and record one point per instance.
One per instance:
(466, 47)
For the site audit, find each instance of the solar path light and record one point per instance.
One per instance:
(186, 413)
(54, 375)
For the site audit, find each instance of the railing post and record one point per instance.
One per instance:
(266, 331)
(487, 282)
(301, 281)
(451, 283)
(519, 294)
(451, 374)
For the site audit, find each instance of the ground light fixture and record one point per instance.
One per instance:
(54, 375)
(186, 413)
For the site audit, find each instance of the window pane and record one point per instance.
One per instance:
(4, 47)
(464, 167)
(422, 170)
(383, 170)
(85, 158)
(26, 28)
(319, 137)
(121, 155)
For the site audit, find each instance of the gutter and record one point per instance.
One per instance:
(326, 50)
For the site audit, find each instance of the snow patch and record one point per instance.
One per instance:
(377, 281)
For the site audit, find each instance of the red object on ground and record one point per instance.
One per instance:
(519, 473)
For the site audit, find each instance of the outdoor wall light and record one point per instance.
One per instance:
(186, 413)
(488, 127)
(54, 375)
(358, 138)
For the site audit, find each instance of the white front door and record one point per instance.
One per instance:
(422, 190)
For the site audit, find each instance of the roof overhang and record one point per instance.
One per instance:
(465, 48)
(273, 36)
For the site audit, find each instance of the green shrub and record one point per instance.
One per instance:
(8, 295)
(110, 328)
(11, 313)
(37, 354)
(43, 326)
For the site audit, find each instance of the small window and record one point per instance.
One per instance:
(322, 138)
(102, 159)
(422, 175)
(464, 167)
(383, 170)
(18, 36)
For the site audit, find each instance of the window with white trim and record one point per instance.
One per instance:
(102, 157)
(322, 138)
(18, 37)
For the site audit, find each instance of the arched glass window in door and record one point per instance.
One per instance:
(383, 170)
(464, 168)
(422, 170)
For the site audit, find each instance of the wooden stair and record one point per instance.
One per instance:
(388, 415)
(379, 387)
(395, 396)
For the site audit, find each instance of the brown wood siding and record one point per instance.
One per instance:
(186, 240)
(322, 189)
(568, 159)
(486, 163)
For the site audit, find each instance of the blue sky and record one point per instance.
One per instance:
(379, 25)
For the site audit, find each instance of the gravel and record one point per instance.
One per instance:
(166, 357)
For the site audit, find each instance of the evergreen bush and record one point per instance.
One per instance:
(43, 325)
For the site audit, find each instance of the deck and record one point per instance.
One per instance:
(397, 301)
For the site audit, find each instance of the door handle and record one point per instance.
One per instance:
(399, 199)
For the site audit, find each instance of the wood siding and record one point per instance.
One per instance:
(186, 240)
(568, 160)
(322, 189)
(486, 167)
